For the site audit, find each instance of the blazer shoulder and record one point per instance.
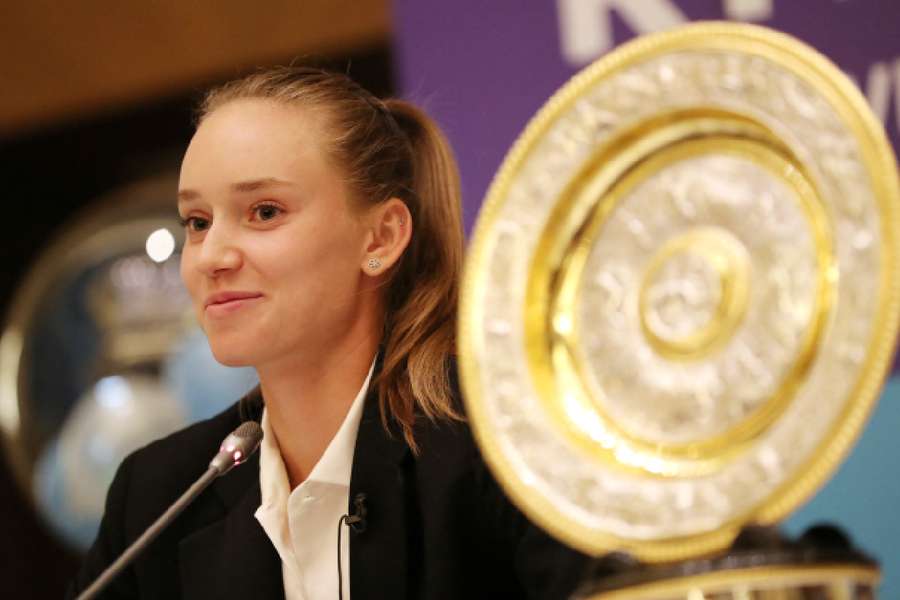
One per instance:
(198, 443)
(159, 472)
(195, 443)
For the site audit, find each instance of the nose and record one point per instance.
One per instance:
(218, 252)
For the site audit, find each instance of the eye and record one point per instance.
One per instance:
(266, 212)
(195, 223)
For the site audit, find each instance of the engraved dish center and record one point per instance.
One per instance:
(694, 292)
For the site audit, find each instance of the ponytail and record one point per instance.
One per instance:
(420, 333)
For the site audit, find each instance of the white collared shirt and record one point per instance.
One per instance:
(302, 524)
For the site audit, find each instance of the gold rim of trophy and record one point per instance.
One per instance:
(775, 579)
(561, 250)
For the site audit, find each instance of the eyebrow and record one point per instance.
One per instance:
(251, 185)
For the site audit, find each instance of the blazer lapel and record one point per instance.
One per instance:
(379, 554)
(232, 557)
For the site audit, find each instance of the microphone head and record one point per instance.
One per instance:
(237, 447)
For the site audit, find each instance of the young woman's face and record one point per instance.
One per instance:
(273, 253)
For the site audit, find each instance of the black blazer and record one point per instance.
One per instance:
(438, 525)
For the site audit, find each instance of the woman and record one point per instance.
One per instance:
(323, 247)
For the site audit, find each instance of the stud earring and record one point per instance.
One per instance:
(374, 264)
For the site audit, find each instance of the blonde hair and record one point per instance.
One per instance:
(390, 149)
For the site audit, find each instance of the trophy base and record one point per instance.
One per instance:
(762, 564)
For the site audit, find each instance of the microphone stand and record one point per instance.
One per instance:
(149, 535)
(235, 449)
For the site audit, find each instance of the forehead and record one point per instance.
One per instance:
(252, 139)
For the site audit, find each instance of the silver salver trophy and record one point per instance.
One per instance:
(679, 305)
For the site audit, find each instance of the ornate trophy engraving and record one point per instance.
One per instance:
(681, 299)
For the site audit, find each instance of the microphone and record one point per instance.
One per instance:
(235, 449)
(357, 519)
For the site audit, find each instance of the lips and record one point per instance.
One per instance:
(226, 297)
(223, 304)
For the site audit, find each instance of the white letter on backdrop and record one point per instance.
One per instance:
(585, 30)
(749, 10)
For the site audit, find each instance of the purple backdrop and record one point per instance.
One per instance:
(482, 68)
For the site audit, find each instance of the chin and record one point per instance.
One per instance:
(232, 361)
(231, 355)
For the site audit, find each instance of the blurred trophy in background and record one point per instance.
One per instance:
(101, 354)
(680, 302)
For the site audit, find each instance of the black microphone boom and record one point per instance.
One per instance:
(235, 449)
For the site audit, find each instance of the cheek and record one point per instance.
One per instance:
(328, 247)
(321, 271)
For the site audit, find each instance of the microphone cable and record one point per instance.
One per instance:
(358, 522)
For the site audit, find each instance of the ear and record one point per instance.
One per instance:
(390, 229)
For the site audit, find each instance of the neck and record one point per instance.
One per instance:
(307, 398)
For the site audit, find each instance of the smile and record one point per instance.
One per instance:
(222, 307)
